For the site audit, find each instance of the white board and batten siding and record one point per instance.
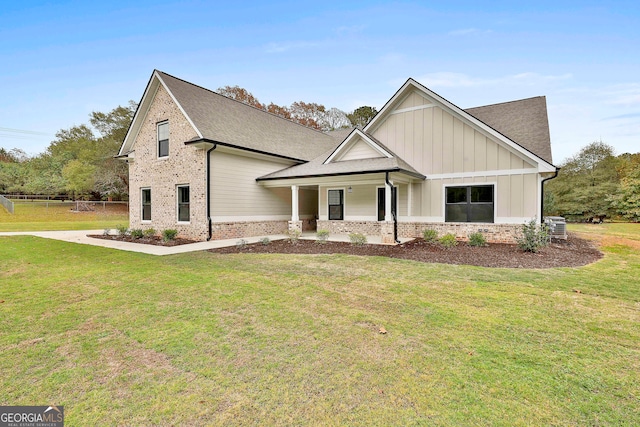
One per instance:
(449, 151)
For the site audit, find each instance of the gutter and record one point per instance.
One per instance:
(542, 191)
(208, 189)
(393, 211)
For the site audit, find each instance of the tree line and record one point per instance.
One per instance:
(80, 162)
(596, 184)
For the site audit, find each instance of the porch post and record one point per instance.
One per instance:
(386, 228)
(387, 202)
(295, 216)
(295, 225)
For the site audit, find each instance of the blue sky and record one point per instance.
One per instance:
(61, 60)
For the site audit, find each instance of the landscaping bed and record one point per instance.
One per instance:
(147, 240)
(573, 252)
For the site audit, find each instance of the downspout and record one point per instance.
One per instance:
(209, 225)
(393, 211)
(542, 191)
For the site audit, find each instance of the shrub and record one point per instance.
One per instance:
(122, 230)
(149, 232)
(477, 239)
(358, 239)
(265, 241)
(106, 231)
(448, 240)
(534, 236)
(429, 235)
(169, 234)
(137, 233)
(323, 236)
(241, 244)
(293, 236)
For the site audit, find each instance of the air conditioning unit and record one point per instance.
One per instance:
(557, 227)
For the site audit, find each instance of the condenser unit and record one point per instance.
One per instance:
(557, 227)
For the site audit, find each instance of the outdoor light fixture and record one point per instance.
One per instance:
(350, 190)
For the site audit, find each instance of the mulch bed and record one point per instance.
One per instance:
(153, 240)
(573, 252)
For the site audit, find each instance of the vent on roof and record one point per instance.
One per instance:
(557, 227)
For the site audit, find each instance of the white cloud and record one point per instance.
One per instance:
(449, 79)
(294, 45)
(467, 31)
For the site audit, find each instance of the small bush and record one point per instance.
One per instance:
(358, 239)
(429, 235)
(169, 234)
(265, 241)
(137, 233)
(477, 239)
(534, 236)
(122, 230)
(106, 232)
(293, 236)
(241, 244)
(149, 232)
(323, 236)
(448, 240)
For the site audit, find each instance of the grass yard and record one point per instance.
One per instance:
(122, 338)
(56, 215)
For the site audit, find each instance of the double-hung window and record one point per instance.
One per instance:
(163, 139)
(183, 203)
(472, 203)
(336, 204)
(146, 204)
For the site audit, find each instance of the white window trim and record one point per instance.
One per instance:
(344, 203)
(145, 221)
(470, 184)
(158, 140)
(178, 186)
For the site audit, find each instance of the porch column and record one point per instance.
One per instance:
(295, 225)
(295, 216)
(387, 202)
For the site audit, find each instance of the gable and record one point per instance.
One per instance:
(439, 137)
(359, 149)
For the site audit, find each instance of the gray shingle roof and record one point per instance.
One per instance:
(233, 123)
(317, 168)
(524, 121)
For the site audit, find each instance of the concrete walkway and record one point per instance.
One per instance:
(80, 236)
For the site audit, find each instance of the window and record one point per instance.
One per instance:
(163, 139)
(336, 204)
(183, 203)
(469, 204)
(146, 204)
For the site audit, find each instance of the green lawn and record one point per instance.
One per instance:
(122, 338)
(56, 215)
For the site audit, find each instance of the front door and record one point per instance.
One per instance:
(382, 202)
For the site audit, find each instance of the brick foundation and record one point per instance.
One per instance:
(494, 233)
(237, 230)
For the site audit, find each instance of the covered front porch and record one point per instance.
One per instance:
(369, 204)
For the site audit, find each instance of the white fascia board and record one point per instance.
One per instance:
(179, 106)
(345, 144)
(543, 165)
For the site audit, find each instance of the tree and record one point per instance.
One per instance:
(585, 183)
(240, 94)
(361, 116)
(336, 119)
(79, 177)
(279, 111)
(627, 201)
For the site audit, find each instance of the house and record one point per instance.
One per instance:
(215, 168)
